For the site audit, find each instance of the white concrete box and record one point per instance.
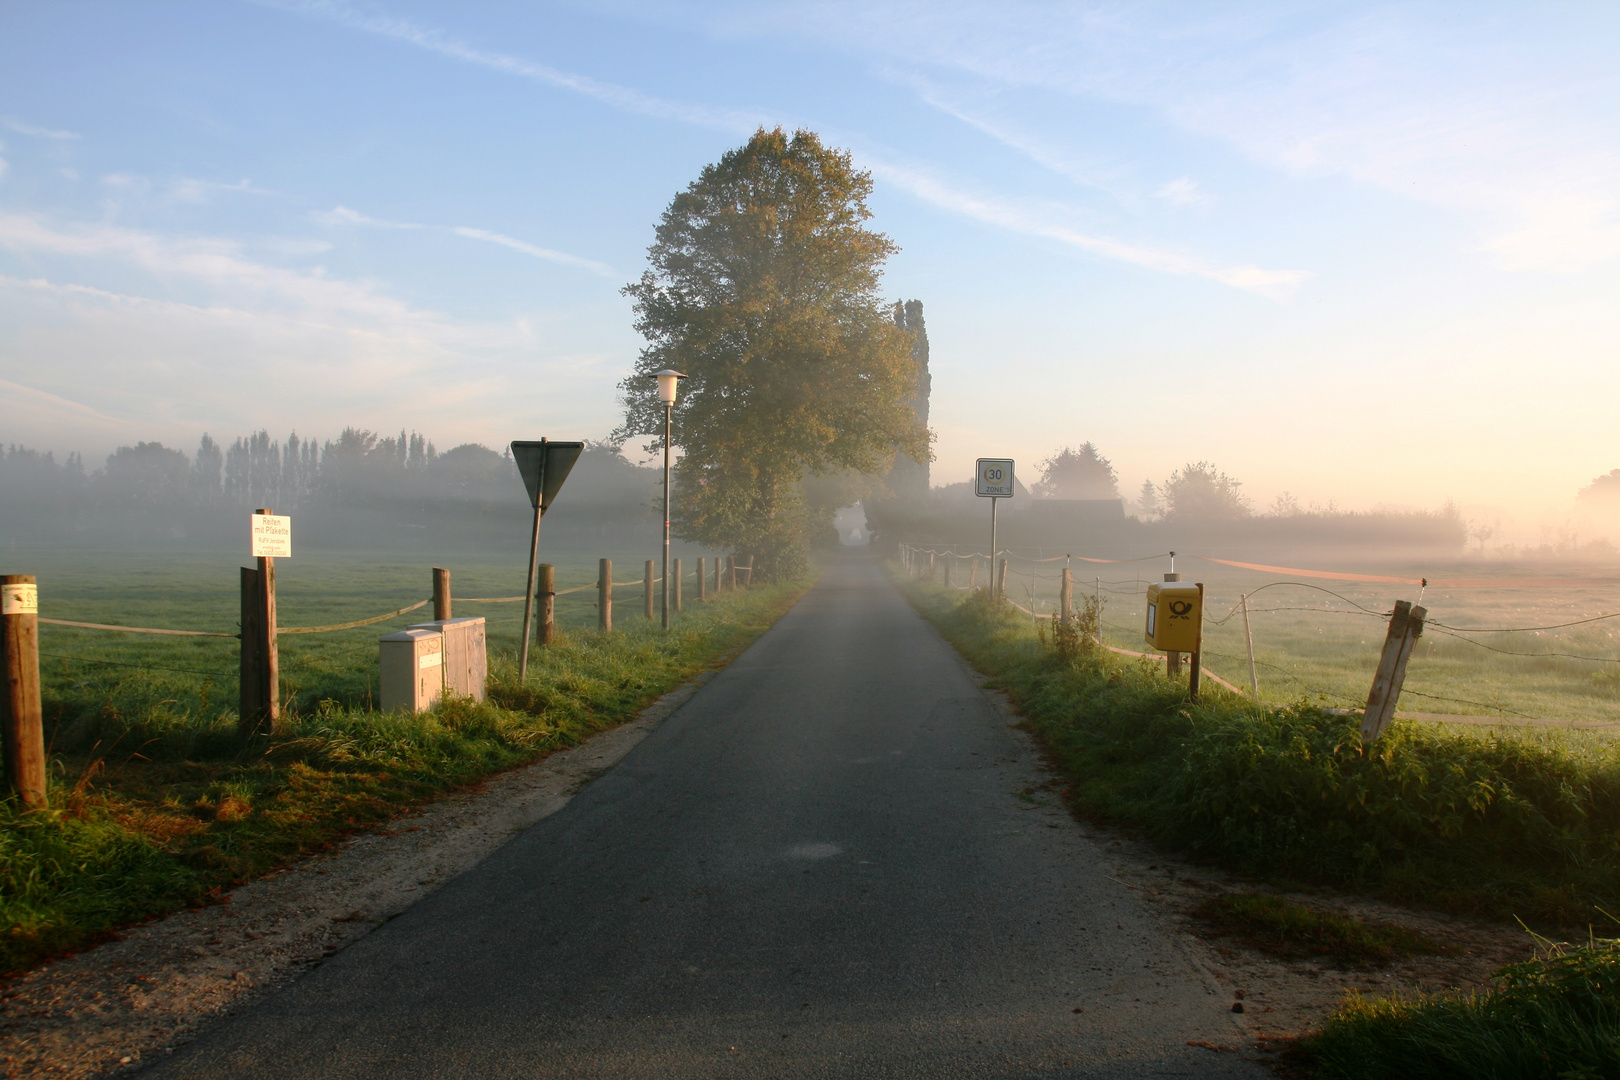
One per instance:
(412, 664)
(466, 663)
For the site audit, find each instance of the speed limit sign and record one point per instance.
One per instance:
(994, 478)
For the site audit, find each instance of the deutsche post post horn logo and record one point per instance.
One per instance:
(1180, 609)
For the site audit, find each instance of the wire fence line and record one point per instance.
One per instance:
(1024, 575)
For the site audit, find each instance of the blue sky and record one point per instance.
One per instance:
(1358, 252)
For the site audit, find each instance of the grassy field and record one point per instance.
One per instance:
(1502, 822)
(157, 804)
(1316, 640)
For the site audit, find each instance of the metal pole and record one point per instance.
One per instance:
(534, 562)
(668, 406)
(994, 588)
(1254, 682)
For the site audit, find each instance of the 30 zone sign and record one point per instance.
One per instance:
(994, 479)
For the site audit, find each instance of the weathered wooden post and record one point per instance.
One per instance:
(717, 575)
(748, 574)
(950, 562)
(1405, 626)
(973, 573)
(604, 595)
(731, 564)
(23, 721)
(546, 593)
(1066, 596)
(1001, 580)
(930, 566)
(674, 584)
(703, 584)
(441, 594)
(647, 585)
(259, 705)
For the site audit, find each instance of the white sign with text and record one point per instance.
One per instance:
(272, 536)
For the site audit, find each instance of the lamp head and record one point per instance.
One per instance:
(667, 380)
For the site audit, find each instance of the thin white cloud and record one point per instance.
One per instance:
(1274, 284)
(1505, 120)
(622, 98)
(1183, 192)
(210, 261)
(342, 215)
(38, 132)
(189, 189)
(537, 252)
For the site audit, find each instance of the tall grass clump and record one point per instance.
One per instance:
(1556, 1017)
(1500, 823)
(155, 805)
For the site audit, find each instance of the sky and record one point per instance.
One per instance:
(1367, 254)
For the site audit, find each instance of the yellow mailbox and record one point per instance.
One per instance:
(1175, 616)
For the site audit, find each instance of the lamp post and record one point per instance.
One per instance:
(668, 379)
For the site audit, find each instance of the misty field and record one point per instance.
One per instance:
(156, 801)
(139, 674)
(1316, 639)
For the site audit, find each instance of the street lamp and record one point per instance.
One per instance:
(668, 379)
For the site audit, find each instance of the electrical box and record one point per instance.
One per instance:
(466, 663)
(1175, 616)
(412, 663)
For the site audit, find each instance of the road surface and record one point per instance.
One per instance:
(821, 866)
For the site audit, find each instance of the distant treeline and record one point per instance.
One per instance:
(1102, 528)
(357, 488)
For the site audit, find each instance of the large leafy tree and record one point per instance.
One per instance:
(762, 287)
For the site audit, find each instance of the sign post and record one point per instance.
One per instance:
(544, 465)
(993, 480)
(259, 705)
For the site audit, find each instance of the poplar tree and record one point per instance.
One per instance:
(762, 286)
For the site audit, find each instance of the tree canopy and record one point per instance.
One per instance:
(1200, 492)
(761, 286)
(1078, 474)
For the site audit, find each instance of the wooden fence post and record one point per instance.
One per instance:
(973, 573)
(1405, 626)
(717, 575)
(23, 721)
(731, 564)
(674, 585)
(604, 595)
(546, 592)
(1001, 581)
(703, 584)
(949, 562)
(441, 594)
(748, 575)
(647, 586)
(1066, 596)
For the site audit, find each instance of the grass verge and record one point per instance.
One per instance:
(1298, 931)
(156, 807)
(1556, 1017)
(1488, 822)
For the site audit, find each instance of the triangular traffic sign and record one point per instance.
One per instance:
(544, 465)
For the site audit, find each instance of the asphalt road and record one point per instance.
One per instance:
(820, 866)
